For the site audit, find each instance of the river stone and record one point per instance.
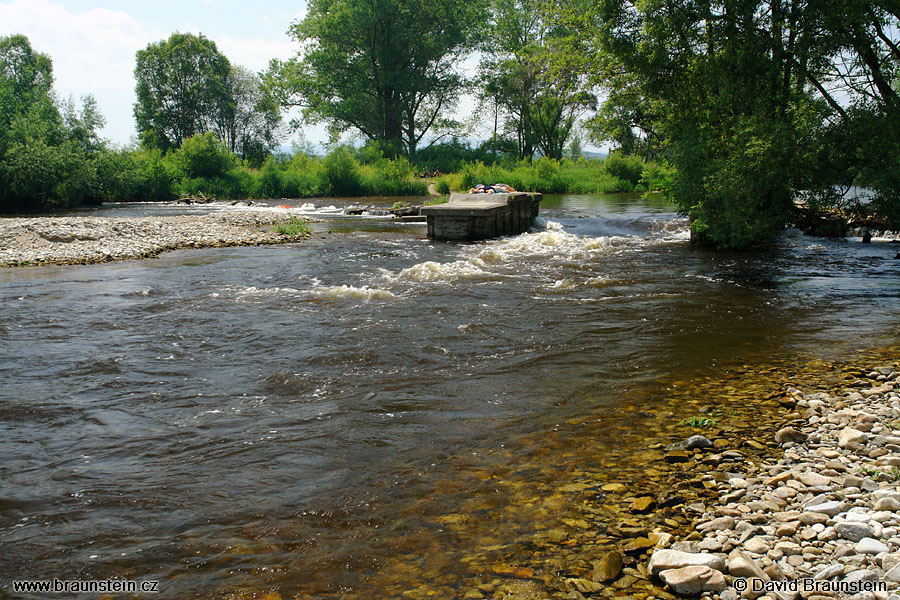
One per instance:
(871, 546)
(756, 545)
(678, 456)
(664, 560)
(789, 434)
(720, 524)
(693, 581)
(890, 503)
(638, 545)
(852, 437)
(642, 504)
(830, 508)
(889, 561)
(893, 574)
(860, 575)
(813, 479)
(754, 444)
(852, 531)
(615, 488)
(697, 441)
(741, 565)
(828, 572)
(609, 566)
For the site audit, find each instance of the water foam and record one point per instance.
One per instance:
(430, 271)
(349, 291)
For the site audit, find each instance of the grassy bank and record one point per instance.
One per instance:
(581, 176)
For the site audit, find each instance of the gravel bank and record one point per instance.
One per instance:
(823, 521)
(81, 240)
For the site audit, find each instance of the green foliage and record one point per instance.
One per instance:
(533, 83)
(384, 68)
(294, 227)
(182, 89)
(891, 474)
(698, 421)
(626, 168)
(341, 170)
(48, 156)
(443, 187)
(543, 175)
(202, 155)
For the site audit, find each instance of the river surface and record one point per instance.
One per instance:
(371, 413)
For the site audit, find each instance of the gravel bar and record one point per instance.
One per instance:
(26, 241)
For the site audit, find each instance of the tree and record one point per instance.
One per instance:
(386, 68)
(182, 89)
(47, 158)
(718, 83)
(248, 123)
(531, 76)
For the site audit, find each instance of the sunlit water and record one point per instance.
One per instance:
(371, 412)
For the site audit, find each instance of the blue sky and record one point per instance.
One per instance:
(92, 43)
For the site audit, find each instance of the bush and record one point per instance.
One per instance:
(202, 155)
(626, 168)
(341, 172)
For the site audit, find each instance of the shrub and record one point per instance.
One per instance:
(202, 155)
(342, 177)
(626, 168)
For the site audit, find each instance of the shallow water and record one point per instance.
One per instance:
(370, 412)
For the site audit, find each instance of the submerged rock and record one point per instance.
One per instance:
(693, 581)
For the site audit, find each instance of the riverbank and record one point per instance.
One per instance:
(28, 241)
(821, 521)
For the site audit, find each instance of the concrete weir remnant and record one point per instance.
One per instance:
(482, 216)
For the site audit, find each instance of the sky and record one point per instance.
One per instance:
(93, 43)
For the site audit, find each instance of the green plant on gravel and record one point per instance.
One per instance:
(401, 204)
(438, 200)
(697, 421)
(892, 474)
(295, 227)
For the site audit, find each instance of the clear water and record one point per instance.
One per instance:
(302, 419)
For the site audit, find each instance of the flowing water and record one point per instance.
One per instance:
(370, 414)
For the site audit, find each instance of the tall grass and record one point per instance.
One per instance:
(615, 174)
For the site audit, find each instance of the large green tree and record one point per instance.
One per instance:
(249, 123)
(530, 74)
(385, 68)
(182, 89)
(47, 157)
(752, 101)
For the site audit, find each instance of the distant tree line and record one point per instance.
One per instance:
(736, 110)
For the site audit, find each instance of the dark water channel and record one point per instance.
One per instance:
(372, 413)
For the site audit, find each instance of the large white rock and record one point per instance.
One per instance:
(693, 581)
(852, 437)
(871, 546)
(890, 503)
(741, 565)
(829, 508)
(664, 560)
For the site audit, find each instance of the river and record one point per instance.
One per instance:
(371, 413)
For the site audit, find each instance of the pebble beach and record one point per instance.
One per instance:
(822, 521)
(26, 241)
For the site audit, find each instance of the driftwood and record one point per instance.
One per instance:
(198, 198)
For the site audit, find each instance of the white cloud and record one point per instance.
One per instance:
(93, 53)
(255, 54)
